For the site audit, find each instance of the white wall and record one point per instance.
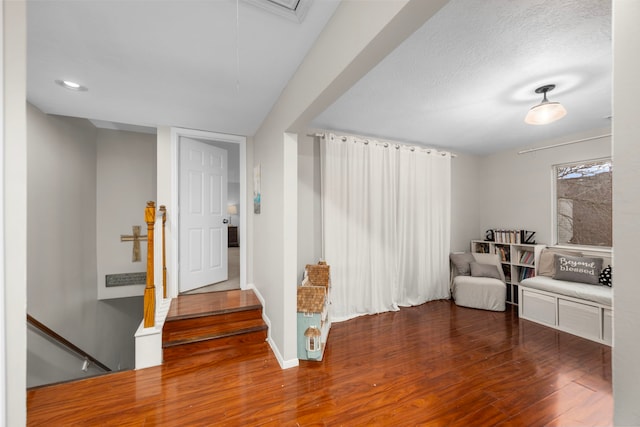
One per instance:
(626, 212)
(516, 191)
(52, 363)
(62, 243)
(248, 210)
(126, 180)
(269, 240)
(165, 189)
(466, 200)
(309, 209)
(3, 342)
(14, 144)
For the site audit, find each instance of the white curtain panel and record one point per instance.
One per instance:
(386, 224)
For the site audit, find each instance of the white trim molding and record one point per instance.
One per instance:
(284, 364)
(3, 336)
(173, 262)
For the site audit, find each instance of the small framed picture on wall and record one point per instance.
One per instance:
(256, 189)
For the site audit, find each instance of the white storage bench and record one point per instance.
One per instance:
(579, 309)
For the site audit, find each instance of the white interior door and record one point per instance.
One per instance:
(203, 208)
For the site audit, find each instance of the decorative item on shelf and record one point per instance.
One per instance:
(510, 236)
(546, 112)
(528, 237)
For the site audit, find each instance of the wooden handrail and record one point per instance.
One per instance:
(59, 338)
(163, 209)
(150, 289)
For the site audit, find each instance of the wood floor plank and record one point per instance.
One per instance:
(212, 302)
(436, 364)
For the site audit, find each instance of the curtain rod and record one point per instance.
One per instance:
(344, 138)
(530, 150)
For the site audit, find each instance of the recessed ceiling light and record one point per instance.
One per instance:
(68, 84)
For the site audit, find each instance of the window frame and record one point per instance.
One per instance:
(554, 206)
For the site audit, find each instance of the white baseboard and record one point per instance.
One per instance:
(284, 364)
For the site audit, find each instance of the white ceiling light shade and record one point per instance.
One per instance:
(546, 112)
(68, 84)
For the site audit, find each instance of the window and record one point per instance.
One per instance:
(583, 208)
(313, 344)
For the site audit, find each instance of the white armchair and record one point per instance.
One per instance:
(484, 288)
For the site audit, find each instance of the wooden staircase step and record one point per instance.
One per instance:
(181, 324)
(212, 303)
(225, 323)
(220, 348)
(211, 332)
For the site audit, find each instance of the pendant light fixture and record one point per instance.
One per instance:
(545, 112)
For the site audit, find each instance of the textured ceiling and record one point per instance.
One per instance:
(466, 79)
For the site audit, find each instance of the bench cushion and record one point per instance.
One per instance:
(596, 293)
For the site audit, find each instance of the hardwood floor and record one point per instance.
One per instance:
(436, 364)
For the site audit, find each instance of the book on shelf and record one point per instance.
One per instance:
(507, 236)
(527, 257)
(513, 236)
(504, 253)
(506, 269)
(525, 273)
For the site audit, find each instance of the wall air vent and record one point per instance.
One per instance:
(294, 10)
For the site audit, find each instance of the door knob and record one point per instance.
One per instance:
(225, 221)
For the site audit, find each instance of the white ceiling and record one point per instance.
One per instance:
(464, 81)
(166, 62)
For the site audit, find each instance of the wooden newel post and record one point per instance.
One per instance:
(150, 289)
(163, 209)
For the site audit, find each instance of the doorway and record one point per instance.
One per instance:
(236, 196)
(202, 198)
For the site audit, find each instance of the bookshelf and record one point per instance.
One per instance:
(518, 262)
